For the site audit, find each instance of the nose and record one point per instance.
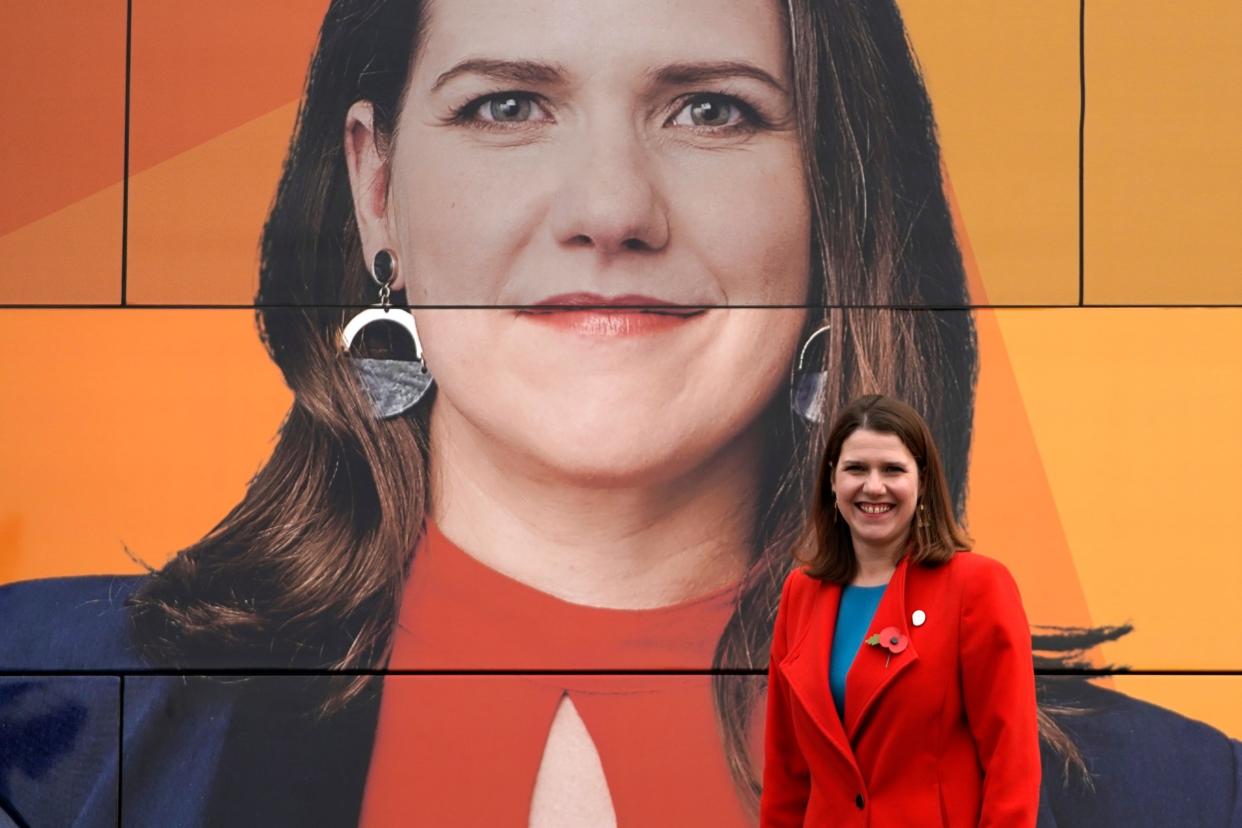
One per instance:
(609, 198)
(873, 486)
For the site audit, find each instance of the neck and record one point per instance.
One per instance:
(630, 546)
(877, 562)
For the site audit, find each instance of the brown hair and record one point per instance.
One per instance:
(935, 533)
(307, 571)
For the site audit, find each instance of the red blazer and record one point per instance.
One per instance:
(944, 734)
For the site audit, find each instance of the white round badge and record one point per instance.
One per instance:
(918, 618)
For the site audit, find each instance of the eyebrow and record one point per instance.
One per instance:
(514, 71)
(852, 461)
(673, 74)
(685, 74)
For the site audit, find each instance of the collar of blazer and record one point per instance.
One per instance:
(806, 665)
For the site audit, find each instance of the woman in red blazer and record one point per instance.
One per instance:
(938, 719)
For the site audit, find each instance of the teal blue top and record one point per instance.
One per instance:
(857, 608)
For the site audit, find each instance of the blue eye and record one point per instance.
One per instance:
(501, 108)
(719, 112)
(715, 112)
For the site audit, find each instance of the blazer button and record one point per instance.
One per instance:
(858, 800)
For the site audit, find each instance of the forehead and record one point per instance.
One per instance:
(863, 444)
(589, 37)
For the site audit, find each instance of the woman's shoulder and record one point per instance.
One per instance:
(797, 596)
(967, 563)
(976, 573)
(798, 583)
(58, 624)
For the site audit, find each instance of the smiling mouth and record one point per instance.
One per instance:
(874, 508)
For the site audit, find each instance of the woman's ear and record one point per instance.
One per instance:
(367, 163)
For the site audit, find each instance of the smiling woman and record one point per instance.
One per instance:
(615, 222)
(957, 735)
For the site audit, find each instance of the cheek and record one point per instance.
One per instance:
(748, 220)
(909, 495)
(458, 222)
(455, 343)
(846, 488)
(748, 360)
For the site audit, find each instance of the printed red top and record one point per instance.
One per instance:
(465, 749)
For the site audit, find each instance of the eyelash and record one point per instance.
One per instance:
(751, 120)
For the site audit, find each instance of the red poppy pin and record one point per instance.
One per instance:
(891, 639)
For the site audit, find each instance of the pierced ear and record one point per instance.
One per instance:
(367, 165)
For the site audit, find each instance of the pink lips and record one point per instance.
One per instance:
(593, 314)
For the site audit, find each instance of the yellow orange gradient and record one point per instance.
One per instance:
(195, 219)
(1162, 152)
(70, 256)
(1003, 78)
(133, 428)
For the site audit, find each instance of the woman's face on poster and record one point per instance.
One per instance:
(560, 152)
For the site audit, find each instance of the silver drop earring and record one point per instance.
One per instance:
(393, 385)
(808, 386)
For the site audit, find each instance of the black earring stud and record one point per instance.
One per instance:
(384, 268)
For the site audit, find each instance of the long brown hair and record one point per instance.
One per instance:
(936, 533)
(307, 570)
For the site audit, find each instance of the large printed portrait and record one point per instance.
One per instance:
(514, 552)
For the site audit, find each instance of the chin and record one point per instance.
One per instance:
(616, 458)
(879, 538)
(606, 439)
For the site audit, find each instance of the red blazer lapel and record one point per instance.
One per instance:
(806, 667)
(874, 667)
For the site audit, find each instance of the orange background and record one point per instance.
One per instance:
(1106, 448)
